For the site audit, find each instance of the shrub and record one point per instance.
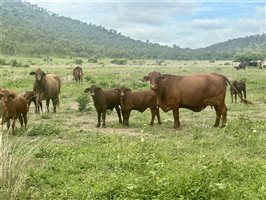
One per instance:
(119, 61)
(2, 62)
(92, 60)
(78, 61)
(83, 101)
(44, 130)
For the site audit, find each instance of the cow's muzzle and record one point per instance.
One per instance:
(153, 87)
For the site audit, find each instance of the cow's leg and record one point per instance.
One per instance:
(8, 124)
(218, 116)
(47, 104)
(40, 105)
(245, 94)
(157, 113)
(235, 97)
(37, 109)
(176, 118)
(25, 119)
(126, 115)
(153, 111)
(103, 117)
(119, 114)
(232, 98)
(224, 115)
(99, 119)
(13, 125)
(20, 120)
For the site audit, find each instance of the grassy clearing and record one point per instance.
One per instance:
(79, 161)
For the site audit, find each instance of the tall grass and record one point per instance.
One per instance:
(15, 160)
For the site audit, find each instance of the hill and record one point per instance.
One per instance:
(29, 30)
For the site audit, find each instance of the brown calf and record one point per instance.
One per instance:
(31, 97)
(13, 108)
(238, 87)
(139, 101)
(78, 74)
(103, 100)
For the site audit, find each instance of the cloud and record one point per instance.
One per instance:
(191, 24)
(209, 24)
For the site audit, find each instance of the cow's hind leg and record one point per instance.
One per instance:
(20, 120)
(99, 119)
(224, 115)
(218, 116)
(104, 117)
(47, 104)
(24, 115)
(157, 113)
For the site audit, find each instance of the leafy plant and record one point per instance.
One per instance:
(83, 101)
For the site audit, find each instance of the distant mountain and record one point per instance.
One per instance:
(33, 31)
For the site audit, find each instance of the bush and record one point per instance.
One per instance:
(2, 62)
(83, 101)
(119, 61)
(92, 60)
(78, 61)
(44, 130)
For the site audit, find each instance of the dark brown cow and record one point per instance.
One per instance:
(238, 87)
(30, 97)
(13, 108)
(139, 101)
(103, 100)
(46, 87)
(194, 92)
(78, 74)
(241, 65)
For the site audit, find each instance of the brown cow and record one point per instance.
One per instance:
(78, 74)
(13, 108)
(30, 97)
(194, 92)
(139, 101)
(239, 87)
(46, 87)
(103, 100)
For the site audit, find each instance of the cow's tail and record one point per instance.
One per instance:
(242, 99)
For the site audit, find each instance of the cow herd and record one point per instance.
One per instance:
(167, 92)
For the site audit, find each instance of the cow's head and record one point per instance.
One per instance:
(39, 74)
(154, 78)
(123, 91)
(7, 95)
(92, 89)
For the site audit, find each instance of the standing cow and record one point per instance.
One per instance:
(78, 74)
(194, 92)
(46, 87)
(238, 87)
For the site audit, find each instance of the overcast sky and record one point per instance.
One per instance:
(192, 24)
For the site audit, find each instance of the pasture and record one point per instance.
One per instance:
(72, 159)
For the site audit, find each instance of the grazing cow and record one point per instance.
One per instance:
(30, 97)
(103, 100)
(238, 87)
(139, 101)
(78, 74)
(46, 87)
(13, 108)
(194, 92)
(241, 65)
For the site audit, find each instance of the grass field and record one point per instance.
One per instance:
(64, 155)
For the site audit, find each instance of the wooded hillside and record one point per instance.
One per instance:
(33, 31)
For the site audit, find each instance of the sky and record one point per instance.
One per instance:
(187, 24)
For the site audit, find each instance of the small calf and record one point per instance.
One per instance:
(139, 101)
(240, 87)
(13, 108)
(31, 97)
(103, 100)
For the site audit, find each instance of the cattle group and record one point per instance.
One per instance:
(167, 92)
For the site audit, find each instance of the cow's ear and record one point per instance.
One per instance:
(44, 74)
(1, 95)
(87, 90)
(98, 88)
(145, 79)
(32, 73)
(162, 77)
(129, 90)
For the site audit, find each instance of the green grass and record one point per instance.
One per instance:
(76, 160)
